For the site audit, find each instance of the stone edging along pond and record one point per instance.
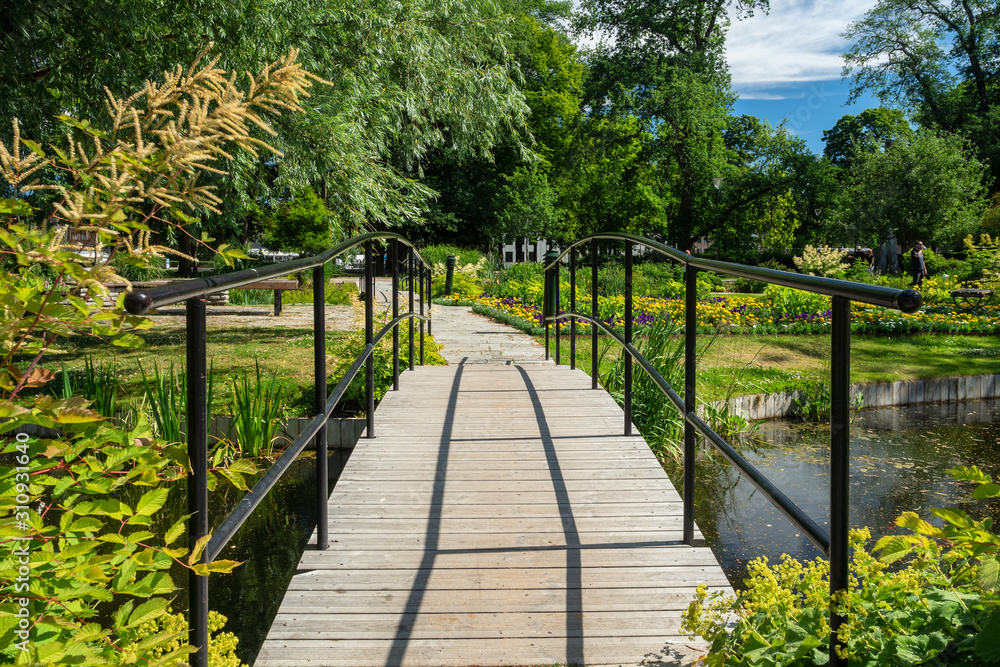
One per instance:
(875, 395)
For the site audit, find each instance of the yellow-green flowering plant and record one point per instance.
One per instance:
(931, 597)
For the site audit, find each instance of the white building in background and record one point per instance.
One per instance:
(525, 250)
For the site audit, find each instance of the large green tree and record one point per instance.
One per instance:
(868, 131)
(928, 188)
(936, 59)
(473, 191)
(663, 62)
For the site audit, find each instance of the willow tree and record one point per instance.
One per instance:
(406, 77)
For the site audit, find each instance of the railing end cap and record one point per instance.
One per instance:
(909, 301)
(137, 303)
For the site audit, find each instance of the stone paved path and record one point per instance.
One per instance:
(469, 338)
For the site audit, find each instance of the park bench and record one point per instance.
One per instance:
(971, 298)
(279, 285)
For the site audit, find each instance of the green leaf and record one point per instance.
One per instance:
(152, 501)
(123, 613)
(90, 632)
(913, 522)
(989, 573)
(989, 490)
(234, 478)
(953, 516)
(9, 410)
(34, 147)
(147, 611)
(86, 525)
(920, 648)
(14, 207)
(125, 339)
(245, 466)
(969, 474)
(988, 641)
(175, 530)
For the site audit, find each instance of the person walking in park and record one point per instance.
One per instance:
(917, 265)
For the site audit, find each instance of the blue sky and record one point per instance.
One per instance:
(787, 65)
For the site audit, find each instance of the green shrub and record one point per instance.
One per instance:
(437, 254)
(348, 349)
(136, 268)
(930, 598)
(749, 286)
(221, 646)
(940, 265)
(301, 225)
(784, 300)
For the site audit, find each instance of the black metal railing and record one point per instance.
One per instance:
(833, 544)
(193, 293)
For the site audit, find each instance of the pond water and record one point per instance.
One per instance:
(899, 459)
(269, 545)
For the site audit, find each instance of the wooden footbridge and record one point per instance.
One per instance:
(499, 518)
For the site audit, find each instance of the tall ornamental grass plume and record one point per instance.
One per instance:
(117, 180)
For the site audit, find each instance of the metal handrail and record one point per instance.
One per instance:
(193, 293)
(835, 543)
(138, 302)
(907, 301)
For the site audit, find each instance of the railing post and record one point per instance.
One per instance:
(690, 357)
(411, 275)
(572, 307)
(394, 257)
(369, 336)
(552, 278)
(449, 278)
(546, 308)
(628, 337)
(430, 303)
(840, 442)
(423, 294)
(197, 437)
(594, 312)
(319, 354)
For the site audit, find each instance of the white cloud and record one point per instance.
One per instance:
(798, 41)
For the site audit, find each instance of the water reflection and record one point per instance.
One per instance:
(899, 459)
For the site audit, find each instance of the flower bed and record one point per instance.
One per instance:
(749, 315)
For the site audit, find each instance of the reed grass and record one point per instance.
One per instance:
(256, 409)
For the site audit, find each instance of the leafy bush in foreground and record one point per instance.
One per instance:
(931, 598)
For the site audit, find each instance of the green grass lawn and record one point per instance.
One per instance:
(286, 351)
(740, 365)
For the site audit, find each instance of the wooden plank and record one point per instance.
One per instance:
(663, 649)
(462, 579)
(489, 625)
(611, 556)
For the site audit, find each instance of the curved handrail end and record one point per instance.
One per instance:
(909, 300)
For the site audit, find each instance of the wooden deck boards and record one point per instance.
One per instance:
(499, 517)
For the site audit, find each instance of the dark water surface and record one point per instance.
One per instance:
(269, 545)
(899, 459)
